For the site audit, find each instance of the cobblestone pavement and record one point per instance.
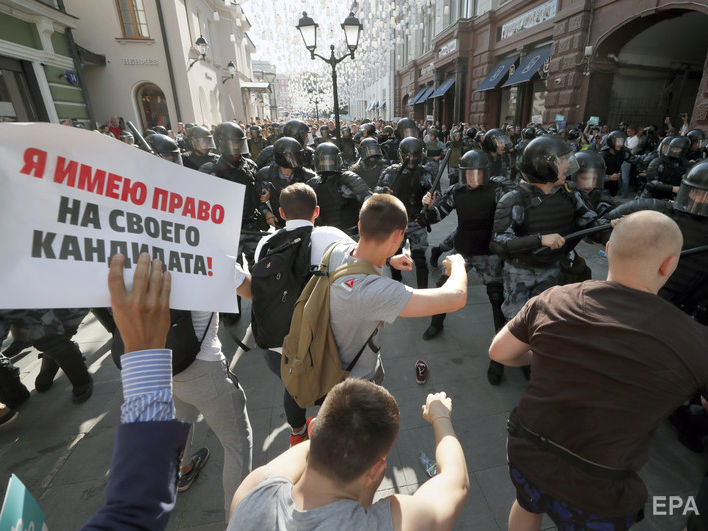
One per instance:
(62, 451)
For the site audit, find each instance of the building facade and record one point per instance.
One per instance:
(154, 72)
(39, 77)
(563, 61)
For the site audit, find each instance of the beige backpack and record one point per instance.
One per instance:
(310, 365)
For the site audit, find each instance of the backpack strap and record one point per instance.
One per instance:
(361, 350)
(206, 329)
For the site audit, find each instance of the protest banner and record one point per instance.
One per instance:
(20, 511)
(71, 199)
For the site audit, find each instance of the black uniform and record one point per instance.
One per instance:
(194, 160)
(370, 170)
(340, 196)
(269, 178)
(256, 145)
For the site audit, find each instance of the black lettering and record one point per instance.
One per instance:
(138, 249)
(174, 263)
(98, 249)
(158, 253)
(134, 223)
(152, 227)
(113, 220)
(122, 248)
(66, 209)
(178, 228)
(199, 265)
(42, 244)
(187, 261)
(192, 236)
(166, 231)
(90, 216)
(70, 248)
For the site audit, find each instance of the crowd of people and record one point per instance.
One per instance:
(345, 205)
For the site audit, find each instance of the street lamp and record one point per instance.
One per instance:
(232, 72)
(201, 45)
(317, 100)
(352, 31)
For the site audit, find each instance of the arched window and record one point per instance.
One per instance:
(152, 106)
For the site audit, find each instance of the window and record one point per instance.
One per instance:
(132, 19)
(152, 106)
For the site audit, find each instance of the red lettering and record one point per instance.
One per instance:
(113, 186)
(159, 196)
(217, 214)
(137, 192)
(189, 208)
(203, 210)
(175, 202)
(64, 170)
(95, 184)
(35, 161)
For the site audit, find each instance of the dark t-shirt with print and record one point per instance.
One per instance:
(609, 363)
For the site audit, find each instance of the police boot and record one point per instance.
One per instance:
(12, 390)
(46, 375)
(436, 326)
(68, 356)
(495, 371)
(421, 276)
(435, 253)
(495, 293)
(15, 348)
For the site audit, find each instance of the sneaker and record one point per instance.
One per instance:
(421, 372)
(199, 459)
(301, 437)
(435, 253)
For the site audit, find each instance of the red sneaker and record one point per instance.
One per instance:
(421, 372)
(301, 437)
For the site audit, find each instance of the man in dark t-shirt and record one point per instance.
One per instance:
(610, 359)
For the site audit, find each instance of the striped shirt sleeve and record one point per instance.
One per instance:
(147, 386)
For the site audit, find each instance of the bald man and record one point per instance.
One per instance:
(610, 359)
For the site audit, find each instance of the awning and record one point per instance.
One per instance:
(90, 58)
(425, 95)
(414, 99)
(444, 87)
(255, 86)
(496, 74)
(529, 66)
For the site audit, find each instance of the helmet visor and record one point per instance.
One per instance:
(128, 139)
(692, 200)
(370, 149)
(203, 144)
(675, 152)
(235, 147)
(474, 178)
(174, 156)
(409, 131)
(618, 143)
(328, 163)
(588, 179)
(293, 160)
(566, 165)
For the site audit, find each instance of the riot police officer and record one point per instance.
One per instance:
(457, 149)
(299, 130)
(470, 139)
(166, 148)
(475, 199)
(234, 166)
(324, 136)
(614, 154)
(389, 147)
(371, 164)
(127, 137)
(274, 133)
(664, 173)
(386, 134)
(256, 143)
(286, 168)
(409, 181)
(434, 151)
(347, 143)
(406, 128)
(495, 144)
(202, 142)
(590, 179)
(697, 150)
(340, 194)
(535, 215)
(368, 131)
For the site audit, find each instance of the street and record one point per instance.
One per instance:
(62, 451)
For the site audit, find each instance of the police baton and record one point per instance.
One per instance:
(578, 234)
(142, 143)
(423, 216)
(694, 250)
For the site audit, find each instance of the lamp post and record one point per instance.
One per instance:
(232, 72)
(201, 44)
(317, 100)
(352, 30)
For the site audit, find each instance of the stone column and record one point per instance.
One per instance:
(437, 111)
(460, 76)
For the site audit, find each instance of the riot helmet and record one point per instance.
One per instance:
(369, 147)
(573, 134)
(160, 130)
(410, 152)
(693, 192)
(255, 131)
(388, 131)
(328, 158)
(127, 137)
(663, 148)
(457, 135)
(201, 139)
(479, 137)
(678, 147)
(495, 141)
(369, 129)
(148, 132)
(433, 133)
(166, 148)
(615, 140)
(528, 133)
(298, 130)
(546, 159)
(288, 153)
(230, 140)
(406, 128)
(697, 138)
(346, 132)
(471, 133)
(591, 171)
(474, 168)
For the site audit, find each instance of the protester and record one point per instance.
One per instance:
(614, 335)
(330, 482)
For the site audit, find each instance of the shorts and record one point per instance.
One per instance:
(567, 518)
